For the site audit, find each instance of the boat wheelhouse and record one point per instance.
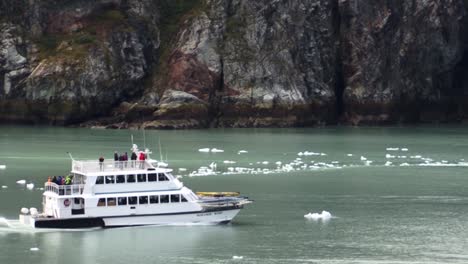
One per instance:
(127, 193)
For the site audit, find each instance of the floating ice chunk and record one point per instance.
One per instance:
(4, 186)
(182, 169)
(204, 150)
(213, 165)
(2, 167)
(444, 161)
(300, 153)
(368, 162)
(41, 189)
(363, 158)
(21, 182)
(323, 154)
(278, 163)
(349, 155)
(388, 163)
(237, 257)
(388, 156)
(325, 215)
(34, 249)
(265, 162)
(229, 162)
(30, 186)
(404, 164)
(215, 150)
(404, 149)
(393, 149)
(416, 157)
(242, 151)
(335, 162)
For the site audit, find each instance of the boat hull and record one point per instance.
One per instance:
(187, 218)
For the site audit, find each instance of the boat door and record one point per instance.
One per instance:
(77, 206)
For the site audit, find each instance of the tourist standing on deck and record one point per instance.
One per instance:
(142, 160)
(101, 163)
(116, 159)
(125, 159)
(133, 158)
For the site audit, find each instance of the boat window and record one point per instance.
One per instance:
(100, 180)
(77, 200)
(132, 200)
(164, 198)
(152, 177)
(109, 179)
(183, 199)
(120, 179)
(130, 178)
(101, 202)
(143, 200)
(154, 199)
(162, 177)
(111, 201)
(141, 177)
(175, 198)
(122, 200)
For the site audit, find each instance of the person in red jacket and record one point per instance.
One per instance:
(142, 158)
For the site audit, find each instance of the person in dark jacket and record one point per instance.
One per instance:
(133, 158)
(116, 159)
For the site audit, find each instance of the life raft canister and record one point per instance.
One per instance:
(66, 202)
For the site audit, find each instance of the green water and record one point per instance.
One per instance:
(381, 214)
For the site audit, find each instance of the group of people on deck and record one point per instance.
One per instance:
(121, 161)
(61, 180)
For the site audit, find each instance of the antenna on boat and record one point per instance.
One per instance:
(131, 136)
(69, 154)
(160, 150)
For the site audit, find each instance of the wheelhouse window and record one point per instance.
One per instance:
(130, 178)
(132, 200)
(175, 198)
(101, 202)
(111, 201)
(143, 200)
(100, 180)
(122, 200)
(164, 199)
(141, 177)
(183, 199)
(120, 179)
(162, 177)
(154, 199)
(152, 177)
(110, 179)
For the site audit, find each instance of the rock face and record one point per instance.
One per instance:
(236, 63)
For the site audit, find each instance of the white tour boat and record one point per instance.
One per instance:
(128, 193)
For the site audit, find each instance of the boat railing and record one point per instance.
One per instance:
(71, 189)
(107, 166)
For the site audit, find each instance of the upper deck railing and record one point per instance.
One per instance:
(88, 166)
(71, 189)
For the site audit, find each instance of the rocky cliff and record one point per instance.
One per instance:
(232, 63)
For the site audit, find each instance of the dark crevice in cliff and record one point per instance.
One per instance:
(339, 74)
(215, 99)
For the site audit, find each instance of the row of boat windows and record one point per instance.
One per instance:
(131, 178)
(134, 200)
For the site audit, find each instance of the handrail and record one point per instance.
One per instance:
(97, 166)
(71, 189)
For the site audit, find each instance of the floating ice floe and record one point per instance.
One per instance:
(237, 257)
(388, 156)
(404, 149)
(392, 149)
(325, 215)
(2, 167)
(4, 186)
(34, 249)
(416, 157)
(229, 162)
(404, 164)
(21, 182)
(349, 155)
(388, 163)
(363, 158)
(265, 162)
(182, 169)
(215, 150)
(213, 165)
(30, 186)
(278, 163)
(242, 152)
(204, 150)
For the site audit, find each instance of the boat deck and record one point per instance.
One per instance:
(94, 166)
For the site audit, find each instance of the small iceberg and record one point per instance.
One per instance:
(265, 162)
(363, 158)
(30, 186)
(242, 152)
(21, 182)
(215, 150)
(204, 150)
(325, 215)
(34, 249)
(393, 149)
(2, 167)
(4, 187)
(349, 155)
(388, 156)
(404, 149)
(229, 162)
(182, 169)
(237, 257)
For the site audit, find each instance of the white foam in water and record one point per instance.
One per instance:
(34, 249)
(237, 257)
(30, 186)
(324, 215)
(2, 167)
(204, 150)
(21, 182)
(215, 150)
